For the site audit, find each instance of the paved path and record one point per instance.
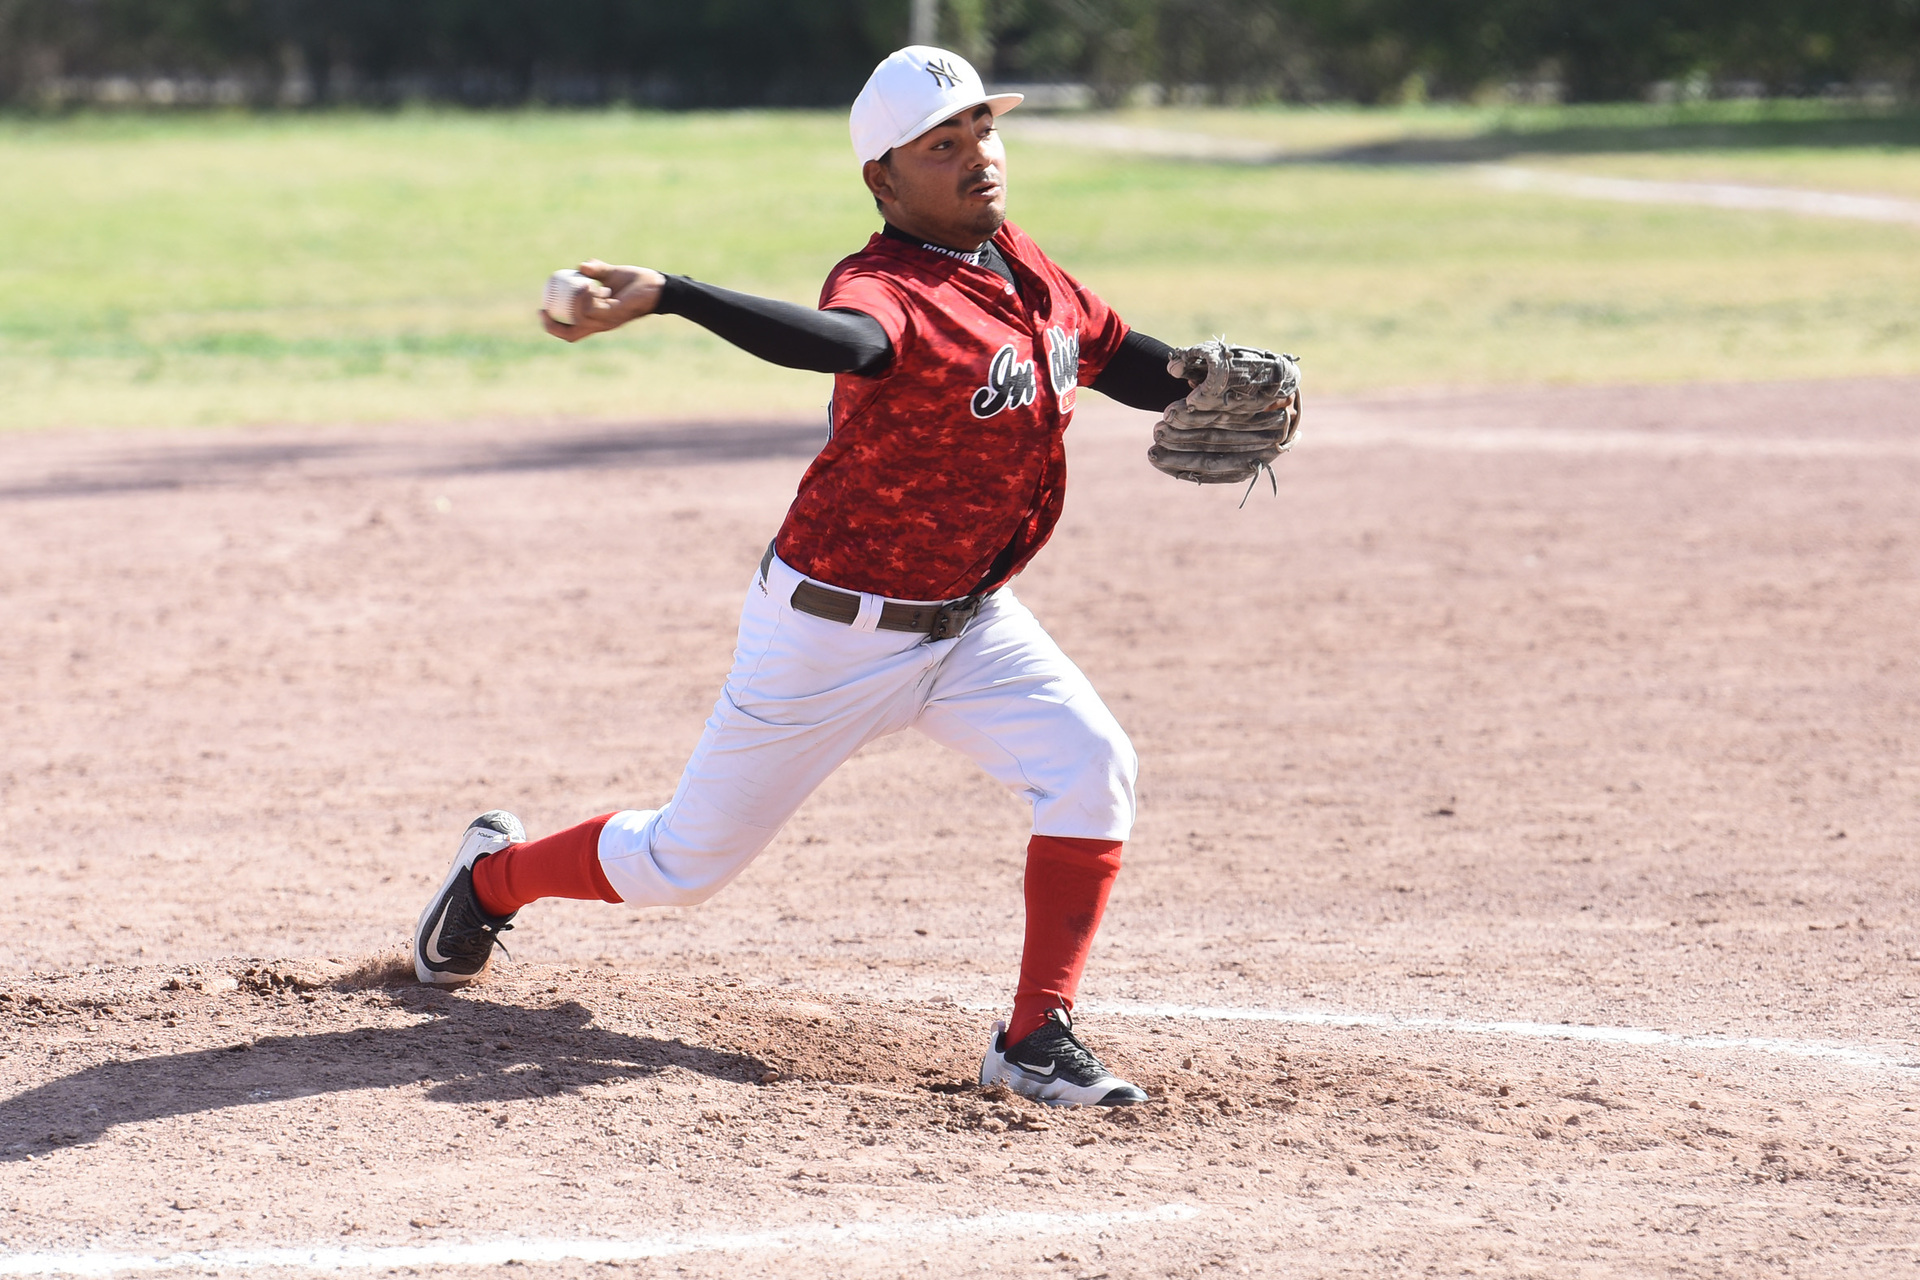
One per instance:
(1719, 195)
(1186, 145)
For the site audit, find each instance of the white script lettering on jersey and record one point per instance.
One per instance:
(1011, 384)
(1063, 365)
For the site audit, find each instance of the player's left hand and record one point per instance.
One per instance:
(616, 296)
(1242, 413)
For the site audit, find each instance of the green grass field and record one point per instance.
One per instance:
(229, 269)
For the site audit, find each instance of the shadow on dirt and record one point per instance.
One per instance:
(474, 1051)
(228, 463)
(641, 447)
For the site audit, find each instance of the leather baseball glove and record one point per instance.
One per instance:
(1241, 414)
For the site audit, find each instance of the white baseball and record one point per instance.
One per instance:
(564, 291)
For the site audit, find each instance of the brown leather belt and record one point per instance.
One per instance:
(935, 621)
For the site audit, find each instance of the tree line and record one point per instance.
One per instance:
(686, 53)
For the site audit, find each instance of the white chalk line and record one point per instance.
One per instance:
(1717, 195)
(1641, 1037)
(497, 1253)
(1662, 444)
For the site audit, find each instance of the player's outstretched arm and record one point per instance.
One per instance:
(783, 333)
(615, 296)
(836, 341)
(1137, 374)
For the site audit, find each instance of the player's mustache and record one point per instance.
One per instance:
(987, 177)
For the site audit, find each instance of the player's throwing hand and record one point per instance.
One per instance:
(610, 298)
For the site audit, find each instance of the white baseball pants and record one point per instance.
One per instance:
(805, 693)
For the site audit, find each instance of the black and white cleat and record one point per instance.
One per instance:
(454, 939)
(1052, 1066)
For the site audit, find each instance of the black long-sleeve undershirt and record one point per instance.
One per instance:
(1137, 374)
(782, 333)
(797, 337)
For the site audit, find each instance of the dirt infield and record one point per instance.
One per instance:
(1524, 884)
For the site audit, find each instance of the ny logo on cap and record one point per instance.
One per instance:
(943, 74)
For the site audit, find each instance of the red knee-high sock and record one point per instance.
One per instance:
(1067, 883)
(563, 865)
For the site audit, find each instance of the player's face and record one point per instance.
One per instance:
(949, 185)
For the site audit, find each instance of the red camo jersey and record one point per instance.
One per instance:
(955, 450)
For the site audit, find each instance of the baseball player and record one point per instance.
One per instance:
(883, 603)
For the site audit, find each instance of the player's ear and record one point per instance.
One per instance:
(878, 175)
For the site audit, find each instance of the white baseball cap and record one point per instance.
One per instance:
(912, 91)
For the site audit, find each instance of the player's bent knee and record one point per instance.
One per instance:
(1125, 760)
(1095, 798)
(1107, 750)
